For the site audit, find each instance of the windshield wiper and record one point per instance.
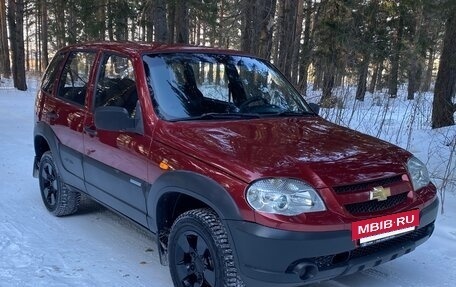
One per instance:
(218, 116)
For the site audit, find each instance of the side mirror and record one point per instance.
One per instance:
(117, 119)
(315, 107)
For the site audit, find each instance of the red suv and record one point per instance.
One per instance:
(216, 154)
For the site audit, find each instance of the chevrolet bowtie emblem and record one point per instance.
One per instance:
(380, 193)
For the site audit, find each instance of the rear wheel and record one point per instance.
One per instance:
(199, 252)
(57, 197)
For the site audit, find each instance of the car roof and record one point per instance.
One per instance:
(135, 48)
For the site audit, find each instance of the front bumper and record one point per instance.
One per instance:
(272, 257)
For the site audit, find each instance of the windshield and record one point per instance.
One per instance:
(188, 86)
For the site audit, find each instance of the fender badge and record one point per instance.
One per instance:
(380, 193)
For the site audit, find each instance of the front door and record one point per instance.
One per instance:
(115, 163)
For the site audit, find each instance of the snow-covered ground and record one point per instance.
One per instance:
(96, 247)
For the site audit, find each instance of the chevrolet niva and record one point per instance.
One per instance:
(216, 154)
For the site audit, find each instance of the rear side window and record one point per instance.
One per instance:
(75, 77)
(51, 73)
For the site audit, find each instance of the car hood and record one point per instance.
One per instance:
(309, 148)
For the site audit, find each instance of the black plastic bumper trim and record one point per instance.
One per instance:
(268, 256)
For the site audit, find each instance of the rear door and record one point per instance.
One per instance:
(65, 108)
(115, 163)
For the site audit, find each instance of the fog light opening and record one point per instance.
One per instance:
(305, 270)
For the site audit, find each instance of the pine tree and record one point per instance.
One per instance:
(4, 50)
(332, 49)
(159, 20)
(16, 27)
(445, 85)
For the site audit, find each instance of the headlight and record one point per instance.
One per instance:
(283, 196)
(418, 173)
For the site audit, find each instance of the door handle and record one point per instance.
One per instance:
(90, 131)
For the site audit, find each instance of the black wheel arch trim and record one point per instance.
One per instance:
(43, 130)
(197, 186)
(194, 185)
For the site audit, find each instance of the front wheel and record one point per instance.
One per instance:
(57, 197)
(199, 252)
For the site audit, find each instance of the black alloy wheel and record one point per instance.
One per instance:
(194, 261)
(57, 197)
(199, 252)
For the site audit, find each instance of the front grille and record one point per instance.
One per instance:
(375, 205)
(368, 185)
(329, 261)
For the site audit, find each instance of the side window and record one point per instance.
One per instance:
(116, 84)
(76, 73)
(51, 73)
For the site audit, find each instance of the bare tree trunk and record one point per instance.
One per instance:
(5, 64)
(198, 33)
(257, 26)
(221, 29)
(59, 12)
(72, 23)
(380, 81)
(27, 43)
(306, 50)
(286, 36)
(121, 21)
(145, 15)
(16, 24)
(44, 35)
(159, 20)
(182, 22)
(394, 75)
(339, 78)
(373, 82)
(265, 20)
(318, 78)
(443, 108)
(171, 20)
(430, 67)
(362, 80)
(414, 74)
(278, 32)
(331, 49)
(247, 26)
(148, 22)
(297, 43)
(329, 78)
(132, 25)
(37, 33)
(415, 66)
(101, 20)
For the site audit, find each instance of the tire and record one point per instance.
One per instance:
(199, 252)
(57, 197)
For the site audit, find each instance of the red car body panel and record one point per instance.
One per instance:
(289, 147)
(323, 154)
